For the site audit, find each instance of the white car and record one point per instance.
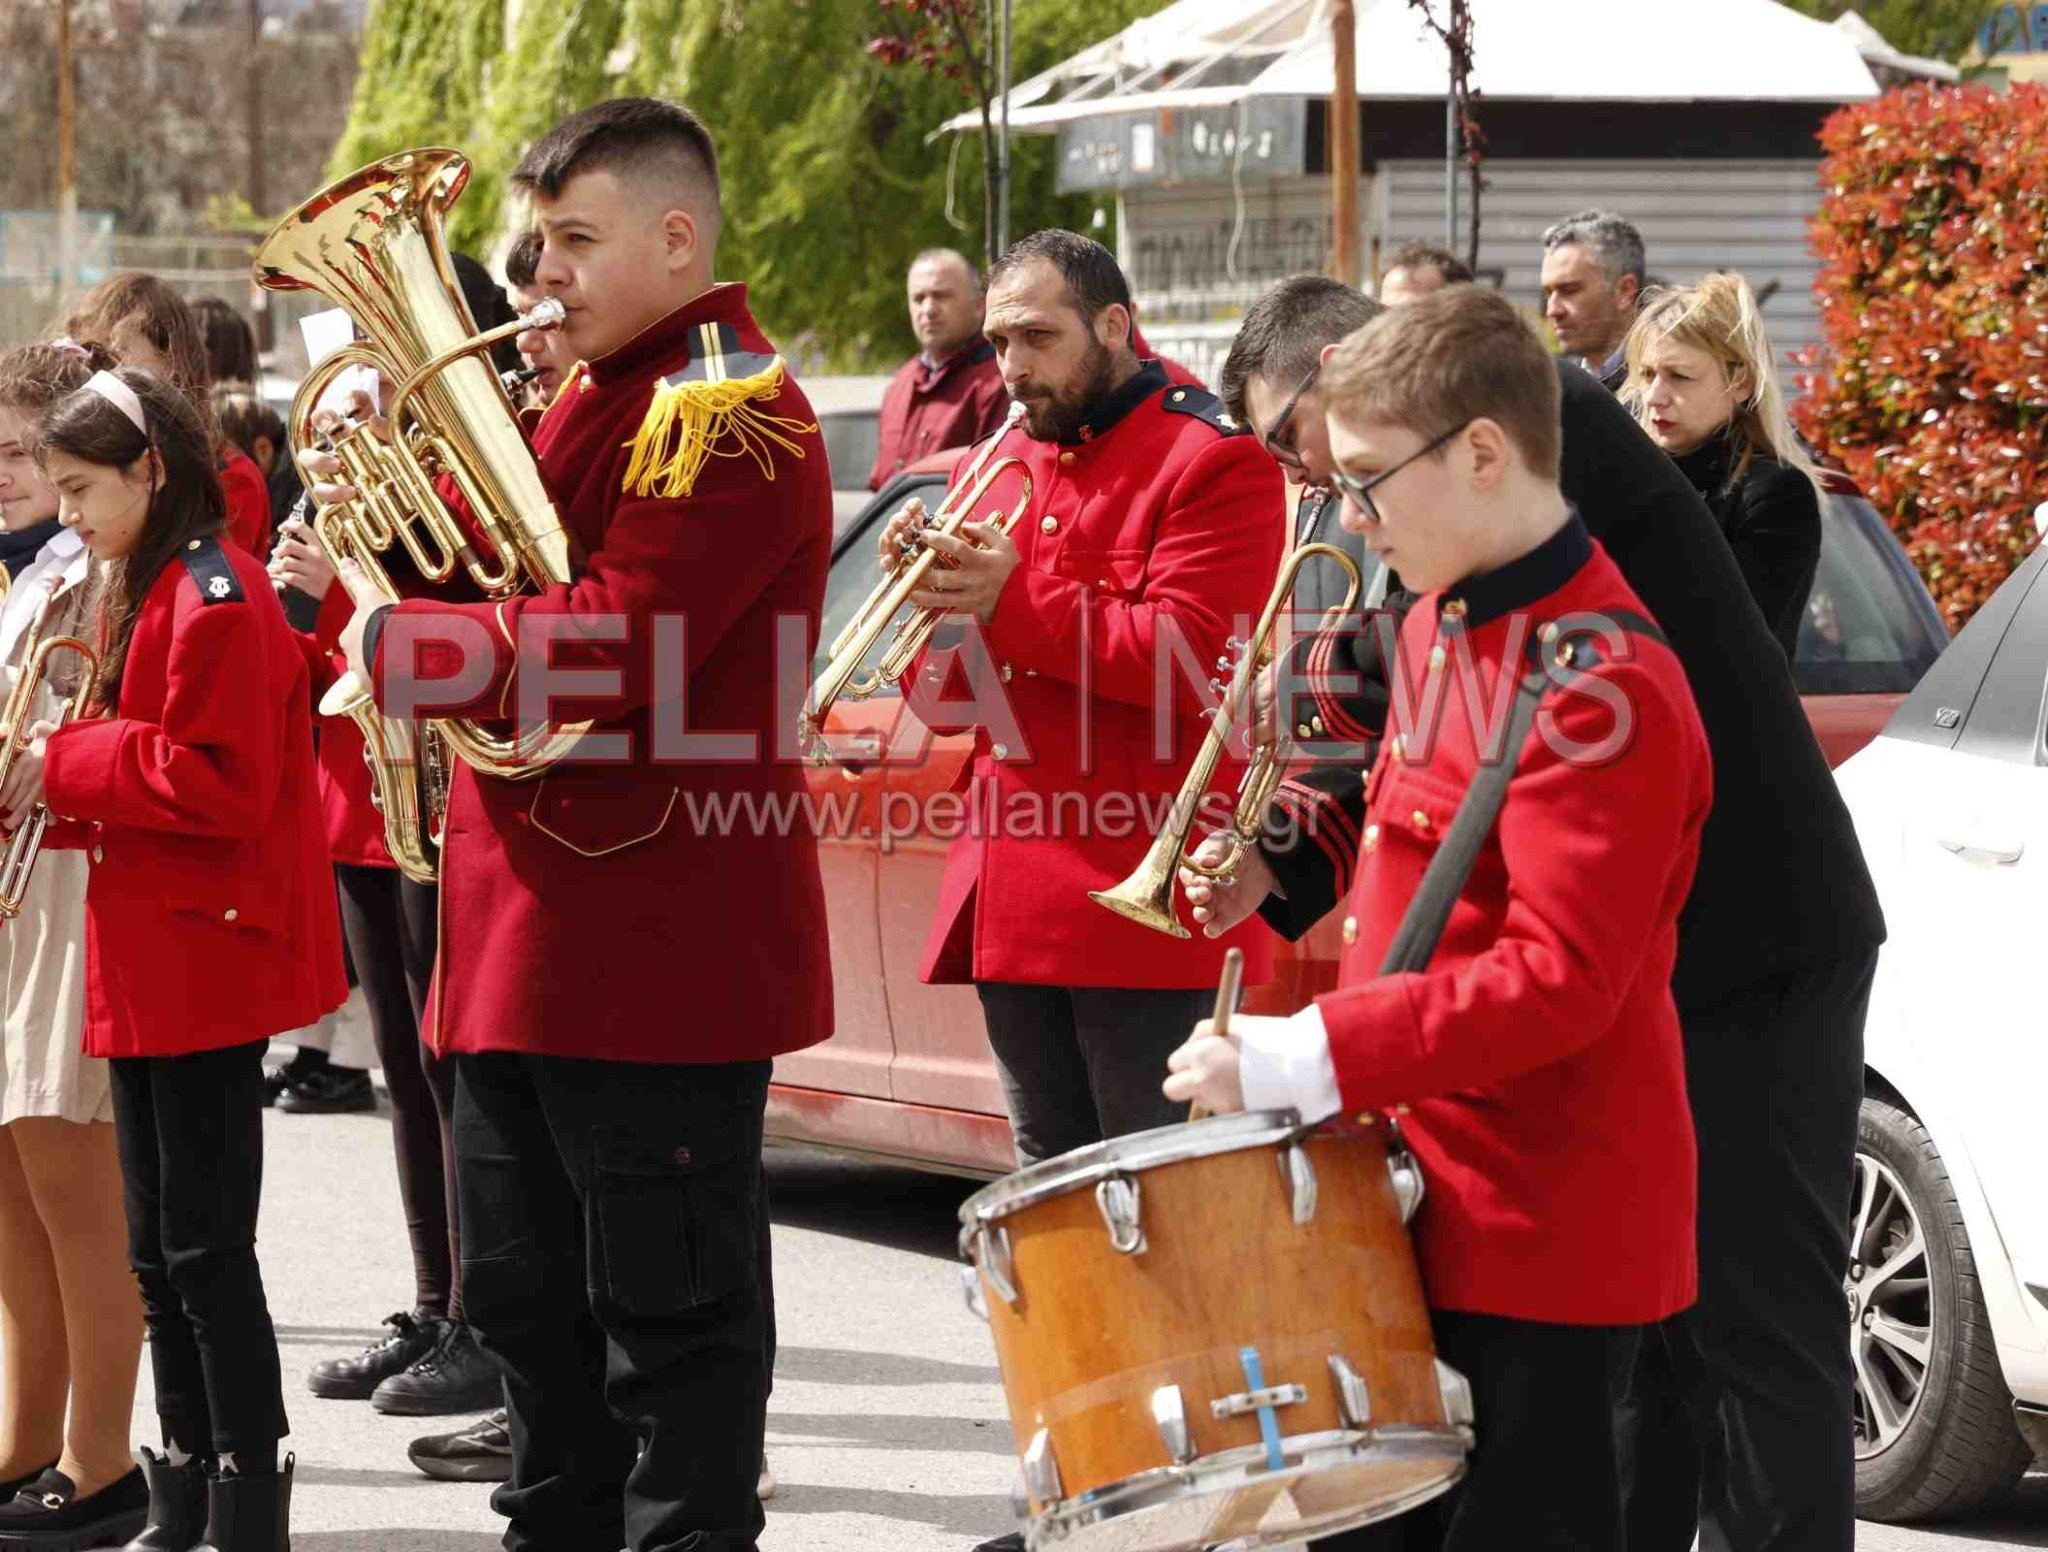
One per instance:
(1948, 1296)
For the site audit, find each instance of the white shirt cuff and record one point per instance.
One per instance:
(1284, 1064)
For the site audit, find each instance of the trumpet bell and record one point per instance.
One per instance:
(1146, 902)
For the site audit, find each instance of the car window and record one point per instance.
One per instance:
(1870, 627)
(854, 572)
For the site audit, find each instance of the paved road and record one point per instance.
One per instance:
(887, 1426)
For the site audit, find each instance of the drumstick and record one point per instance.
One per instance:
(1226, 1004)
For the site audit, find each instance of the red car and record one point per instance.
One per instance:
(909, 1078)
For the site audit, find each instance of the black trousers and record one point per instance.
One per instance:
(1738, 1421)
(1545, 1474)
(1085, 1063)
(389, 924)
(615, 1261)
(190, 1130)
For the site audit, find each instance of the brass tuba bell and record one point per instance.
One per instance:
(373, 244)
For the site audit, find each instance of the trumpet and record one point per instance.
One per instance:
(844, 675)
(1146, 896)
(26, 844)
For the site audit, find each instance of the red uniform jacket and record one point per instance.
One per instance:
(248, 501)
(1540, 1049)
(647, 909)
(927, 409)
(355, 830)
(1148, 543)
(210, 915)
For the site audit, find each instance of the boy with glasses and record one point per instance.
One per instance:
(1540, 1043)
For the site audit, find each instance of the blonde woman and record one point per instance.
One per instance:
(1700, 380)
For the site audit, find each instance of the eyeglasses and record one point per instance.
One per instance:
(1286, 452)
(1359, 492)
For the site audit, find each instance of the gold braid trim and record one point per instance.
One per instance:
(691, 422)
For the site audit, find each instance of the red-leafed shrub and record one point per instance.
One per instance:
(1932, 388)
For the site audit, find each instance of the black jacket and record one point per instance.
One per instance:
(1781, 878)
(1771, 517)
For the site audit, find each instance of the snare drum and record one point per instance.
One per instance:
(1214, 1335)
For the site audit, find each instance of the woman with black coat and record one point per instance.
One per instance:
(1701, 382)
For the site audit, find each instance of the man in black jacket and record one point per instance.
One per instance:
(1739, 1420)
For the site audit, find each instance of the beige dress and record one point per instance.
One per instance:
(42, 951)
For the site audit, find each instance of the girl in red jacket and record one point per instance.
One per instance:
(210, 922)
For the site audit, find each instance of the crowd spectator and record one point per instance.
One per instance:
(950, 393)
(1417, 269)
(1592, 281)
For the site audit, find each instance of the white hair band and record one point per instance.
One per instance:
(121, 396)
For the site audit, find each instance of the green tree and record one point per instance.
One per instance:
(1934, 29)
(831, 185)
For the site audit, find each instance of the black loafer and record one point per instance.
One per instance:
(49, 1516)
(412, 1338)
(330, 1091)
(9, 1486)
(457, 1376)
(482, 1452)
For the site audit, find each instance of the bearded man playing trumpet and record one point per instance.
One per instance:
(1152, 537)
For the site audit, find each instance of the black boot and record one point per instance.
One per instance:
(412, 1338)
(177, 1504)
(457, 1376)
(249, 1514)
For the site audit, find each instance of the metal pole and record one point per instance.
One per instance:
(1003, 138)
(1450, 157)
(1344, 256)
(67, 160)
(253, 79)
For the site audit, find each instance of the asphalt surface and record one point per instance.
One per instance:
(887, 1428)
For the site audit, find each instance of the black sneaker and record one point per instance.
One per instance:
(330, 1091)
(49, 1516)
(482, 1452)
(457, 1376)
(353, 1379)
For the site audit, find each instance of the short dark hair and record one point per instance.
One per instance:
(1424, 255)
(1286, 330)
(1093, 277)
(1445, 360)
(953, 256)
(522, 264)
(630, 136)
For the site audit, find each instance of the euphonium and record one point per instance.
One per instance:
(16, 717)
(870, 625)
(1146, 896)
(373, 245)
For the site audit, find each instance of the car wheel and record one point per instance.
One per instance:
(1934, 1428)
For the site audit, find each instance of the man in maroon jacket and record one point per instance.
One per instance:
(950, 393)
(1538, 1048)
(612, 1044)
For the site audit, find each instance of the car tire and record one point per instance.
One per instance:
(1937, 1439)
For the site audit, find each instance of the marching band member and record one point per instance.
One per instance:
(541, 351)
(150, 327)
(429, 1363)
(74, 1322)
(210, 922)
(1154, 527)
(1777, 948)
(613, 1044)
(1541, 1044)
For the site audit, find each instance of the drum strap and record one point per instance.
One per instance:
(1444, 879)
